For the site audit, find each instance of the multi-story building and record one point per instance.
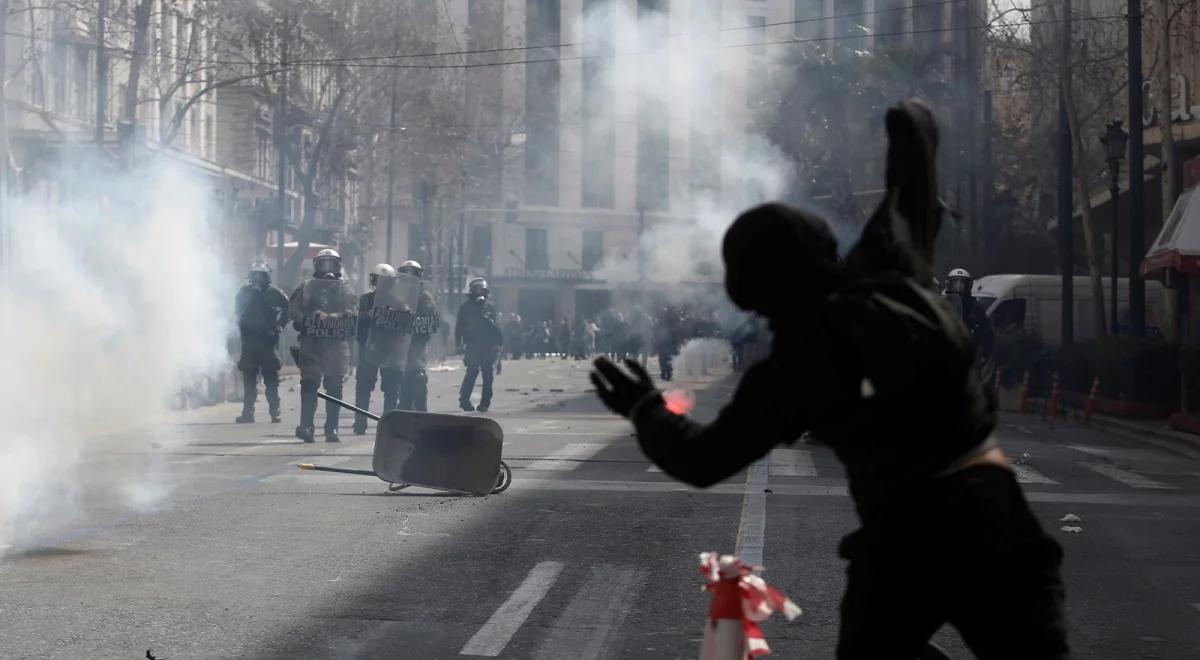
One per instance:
(624, 135)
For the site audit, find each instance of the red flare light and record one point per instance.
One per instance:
(679, 402)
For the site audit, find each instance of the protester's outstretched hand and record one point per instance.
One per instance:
(617, 389)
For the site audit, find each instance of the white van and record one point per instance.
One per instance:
(1034, 303)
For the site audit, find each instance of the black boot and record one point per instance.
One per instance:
(249, 395)
(362, 399)
(308, 410)
(332, 412)
(271, 385)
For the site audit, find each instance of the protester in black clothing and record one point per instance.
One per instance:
(666, 342)
(476, 332)
(514, 337)
(871, 360)
(261, 311)
(564, 338)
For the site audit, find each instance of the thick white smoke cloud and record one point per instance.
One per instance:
(712, 85)
(113, 298)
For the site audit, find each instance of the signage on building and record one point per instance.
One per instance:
(550, 274)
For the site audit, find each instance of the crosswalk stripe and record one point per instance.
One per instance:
(566, 458)
(753, 523)
(586, 627)
(495, 634)
(792, 463)
(1028, 475)
(1127, 477)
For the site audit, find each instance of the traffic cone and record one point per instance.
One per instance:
(1090, 406)
(741, 600)
(1053, 403)
(1023, 406)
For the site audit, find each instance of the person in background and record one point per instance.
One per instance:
(590, 331)
(564, 338)
(476, 332)
(261, 311)
(365, 373)
(414, 384)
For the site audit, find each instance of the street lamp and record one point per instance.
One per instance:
(1114, 140)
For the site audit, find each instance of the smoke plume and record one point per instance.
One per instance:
(114, 299)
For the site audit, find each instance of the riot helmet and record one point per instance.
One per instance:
(477, 288)
(327, 265)
(410, 267)
(380, 270)
(260, 274)
(959, 282)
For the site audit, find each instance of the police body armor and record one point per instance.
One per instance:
(393, 321)
(321, 295)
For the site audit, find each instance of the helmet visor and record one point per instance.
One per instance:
(327, 265)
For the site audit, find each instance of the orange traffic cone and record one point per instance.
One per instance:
(1023, 407)
(1053, 403)
(741, 600)
(1090, 406)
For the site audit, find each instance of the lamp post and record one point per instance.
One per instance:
(1114, 140)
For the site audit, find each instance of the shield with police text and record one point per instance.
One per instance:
(447, 452)
(392, 320)
(331, 298)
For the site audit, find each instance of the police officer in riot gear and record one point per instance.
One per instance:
(974, 316)
(477, 333)
(324, 310)
(414, 385)
(365, 372)
(261, 311)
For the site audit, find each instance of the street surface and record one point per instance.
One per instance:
(590, 554)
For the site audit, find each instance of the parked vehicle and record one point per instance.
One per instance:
(1033, 304)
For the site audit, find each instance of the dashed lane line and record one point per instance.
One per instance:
(1127, 477)
(792, 463)
(753, 523)
(498, 630)
(567, 458)
(586, 627)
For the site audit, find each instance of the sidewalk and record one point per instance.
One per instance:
(1152, 431)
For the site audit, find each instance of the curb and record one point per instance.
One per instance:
(1182, 443)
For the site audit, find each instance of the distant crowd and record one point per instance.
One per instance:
(634, 333)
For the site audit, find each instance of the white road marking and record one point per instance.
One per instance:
(753, 524)
(1028, 475)
(654, 468)
(495, 634)
(566, 458)
(1196, 606)
(587, 625)
(1094, 451)
(792, 463)
(1127, 477)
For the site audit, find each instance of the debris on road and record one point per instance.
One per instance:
(1070, 517)
(1070, 529)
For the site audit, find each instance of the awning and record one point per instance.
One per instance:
(1178, 244)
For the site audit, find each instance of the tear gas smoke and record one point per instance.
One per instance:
(701, 357)
(707, 79)
(113, 299)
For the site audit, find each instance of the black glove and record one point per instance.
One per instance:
(616, 389)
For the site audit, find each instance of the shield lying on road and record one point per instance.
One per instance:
(446, 452)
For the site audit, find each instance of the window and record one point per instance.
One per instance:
(82, 80)
(593, 249)
(542, 28)
(756, 72)
(1009, 314)
(756, 35)
(850, 30)
(653, 173)
(599, 119)
(889, 21)
(806, 14)
(536, 255)
(481, 247)
(416, 243)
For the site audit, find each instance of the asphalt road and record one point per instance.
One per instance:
(590, 554)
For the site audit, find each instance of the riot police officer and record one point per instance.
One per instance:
(261, 311)
(365, 372)
(324, 311)
(974, 316)
(414, 385)
(476, 332)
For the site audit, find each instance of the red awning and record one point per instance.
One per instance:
(1178, 244)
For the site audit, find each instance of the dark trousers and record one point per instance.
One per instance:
(414, 391)
(468, 383)
(666, 368)
(308, 402)
(270, 379)
(365, 375)
(969, 553)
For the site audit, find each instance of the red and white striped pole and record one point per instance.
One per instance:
(1054, 394)
(741, 600)
(1023, 407)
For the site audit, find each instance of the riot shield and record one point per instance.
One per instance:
(447, 452)
(327, 296)
(392, 319)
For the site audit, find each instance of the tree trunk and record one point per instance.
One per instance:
(141, 30)
(291, 268)
(1085, 210)
(1169, 185)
